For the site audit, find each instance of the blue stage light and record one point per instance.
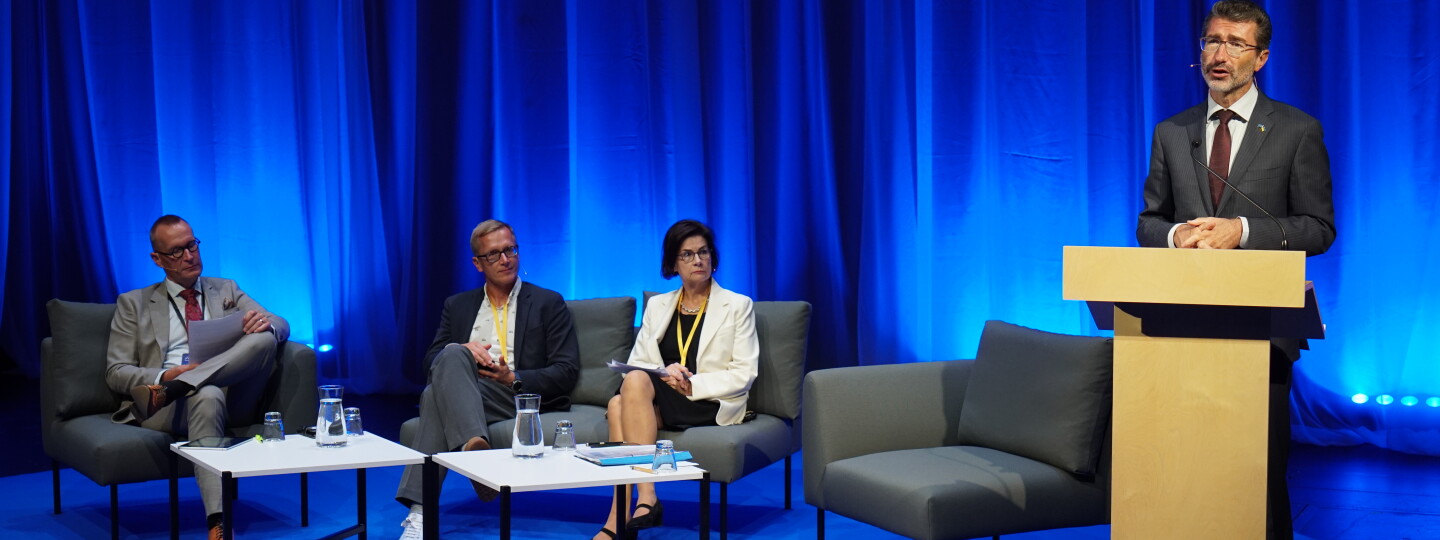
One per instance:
(1384, 399)
(1359, 398)
(1409, 401)
(1433, 402)
(325, 348)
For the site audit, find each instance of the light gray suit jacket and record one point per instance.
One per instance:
(1282, 164)
(140, 331)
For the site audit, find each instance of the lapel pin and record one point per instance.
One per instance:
(1262, 128)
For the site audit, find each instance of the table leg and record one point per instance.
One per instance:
(227, 497)
(705, 506)
(360, 502)
(174, 497)
(304, 499)
(724, 507)
(622, 502)
(431, 487)
(504, 512)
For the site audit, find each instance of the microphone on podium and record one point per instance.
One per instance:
(1284, 238)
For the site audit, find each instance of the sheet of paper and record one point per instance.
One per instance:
(215, 336)
(618, 367)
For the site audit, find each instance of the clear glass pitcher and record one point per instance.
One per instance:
(528, 441)
(330, 426)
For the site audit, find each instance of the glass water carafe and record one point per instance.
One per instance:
(330, 426)
(528, 441)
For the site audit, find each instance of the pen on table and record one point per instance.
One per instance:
(646, 470)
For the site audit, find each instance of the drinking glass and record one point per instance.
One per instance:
(564, 436)
(664, 456)
(528, 442)
(274, 428)
(353, 427)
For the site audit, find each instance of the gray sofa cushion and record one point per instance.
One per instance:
(731, 452)
(782, 328)
(605, 328)
(81, 335)
(110, 453)
(1039, 395)
(959, 492)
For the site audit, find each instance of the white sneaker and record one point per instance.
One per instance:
(414, 527)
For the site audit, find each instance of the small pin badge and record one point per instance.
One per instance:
(1262, 128)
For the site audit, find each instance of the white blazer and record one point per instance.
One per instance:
(729, 355)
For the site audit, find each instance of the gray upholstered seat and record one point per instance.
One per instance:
(732, 452)
(76, 404)
(1014, 441)
(921, 490)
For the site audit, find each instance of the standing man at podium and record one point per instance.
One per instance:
(1205, 161)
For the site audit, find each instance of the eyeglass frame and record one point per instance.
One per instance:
(1229, 46)
(493, 257)
(688, 256)
(177, 253)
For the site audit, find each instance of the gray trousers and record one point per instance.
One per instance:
(457, 404)
(227, 387)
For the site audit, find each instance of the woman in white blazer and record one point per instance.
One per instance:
(704, 338)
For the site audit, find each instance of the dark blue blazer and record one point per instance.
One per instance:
(547, 351)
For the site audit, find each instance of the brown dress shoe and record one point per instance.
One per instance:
(147, 400)
(217, 532)
(486, 493)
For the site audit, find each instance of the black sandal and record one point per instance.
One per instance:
(652, 519)
(608, 532)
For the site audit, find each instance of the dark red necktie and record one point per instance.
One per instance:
(192, 306)
(1220, 155)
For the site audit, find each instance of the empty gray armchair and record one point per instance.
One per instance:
(75, 406)
(1013, 441)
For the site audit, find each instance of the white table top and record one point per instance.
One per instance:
(556, 470)
(298, 454)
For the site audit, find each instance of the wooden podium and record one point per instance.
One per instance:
(1192, 373)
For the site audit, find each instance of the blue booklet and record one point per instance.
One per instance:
(641, 454)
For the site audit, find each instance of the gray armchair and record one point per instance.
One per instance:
(75, 407)
(732, 452)
(1014, 441)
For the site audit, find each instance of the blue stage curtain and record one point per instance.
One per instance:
(911, 168)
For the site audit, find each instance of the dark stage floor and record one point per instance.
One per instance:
(1343, 493)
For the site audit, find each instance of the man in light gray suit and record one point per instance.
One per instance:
(1272, 152)
(149, 351)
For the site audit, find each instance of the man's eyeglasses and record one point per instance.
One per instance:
(494, 256)
(1232, 48)
(687, 255)
(177, 253)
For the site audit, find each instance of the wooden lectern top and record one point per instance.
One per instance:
(1208, 277)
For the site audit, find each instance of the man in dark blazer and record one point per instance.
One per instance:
(1272, 152)
(148, 352)
(474, 383)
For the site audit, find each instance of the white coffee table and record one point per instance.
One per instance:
(556, 470)
(299, 454)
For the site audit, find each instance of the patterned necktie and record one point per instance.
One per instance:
(192, 306)
(1220, 155)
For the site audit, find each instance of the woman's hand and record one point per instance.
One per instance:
(678, 378)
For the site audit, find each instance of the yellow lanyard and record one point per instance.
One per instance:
(499, 320)
(685, 343)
